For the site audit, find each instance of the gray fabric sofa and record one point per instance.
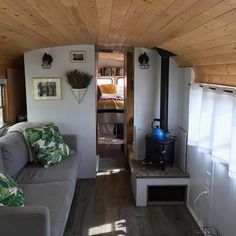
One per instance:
(48, 192)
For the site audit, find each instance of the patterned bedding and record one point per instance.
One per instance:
(110, 110)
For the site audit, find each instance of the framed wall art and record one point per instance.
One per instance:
(77, 56)
(47, 88)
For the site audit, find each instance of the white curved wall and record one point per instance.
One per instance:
(67, 113)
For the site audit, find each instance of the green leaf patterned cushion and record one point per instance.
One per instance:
(47, 144)
(11, 194)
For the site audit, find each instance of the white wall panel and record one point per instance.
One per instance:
(146, 98)
(67, 113)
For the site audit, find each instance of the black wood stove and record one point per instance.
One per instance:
(162, 153)
(159, 153)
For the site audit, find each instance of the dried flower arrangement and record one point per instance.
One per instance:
(78, 79)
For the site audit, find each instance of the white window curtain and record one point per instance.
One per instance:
(212, 122)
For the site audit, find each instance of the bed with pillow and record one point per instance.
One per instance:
(110, 106)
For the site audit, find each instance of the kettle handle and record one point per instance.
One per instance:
(155, 119)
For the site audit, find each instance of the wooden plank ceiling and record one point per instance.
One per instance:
(200, 32)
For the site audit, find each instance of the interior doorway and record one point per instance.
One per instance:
(111, 95)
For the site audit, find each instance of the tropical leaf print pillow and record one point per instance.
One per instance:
(47, 144)
(11, 194)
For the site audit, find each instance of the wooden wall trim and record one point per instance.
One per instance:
(15, 94)
(224, 74)
(130, 96)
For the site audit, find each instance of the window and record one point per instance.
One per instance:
(104, 81)
(120, 81)
(212, 123)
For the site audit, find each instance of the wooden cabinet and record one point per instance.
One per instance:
(15, 95)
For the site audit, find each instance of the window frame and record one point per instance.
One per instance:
(3, 102)
(105, 78)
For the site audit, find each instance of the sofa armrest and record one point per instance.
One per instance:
(27, 221)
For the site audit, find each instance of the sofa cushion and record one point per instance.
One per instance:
(67, 170)
(57, 196)
(14, 152)
(11, 194)
(20, 127)
(48, 144)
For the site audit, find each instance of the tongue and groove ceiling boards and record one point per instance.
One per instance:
(201, 32)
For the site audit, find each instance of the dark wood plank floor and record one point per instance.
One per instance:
(110, 151)
(105, 207)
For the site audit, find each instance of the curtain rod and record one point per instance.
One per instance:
(213, 87)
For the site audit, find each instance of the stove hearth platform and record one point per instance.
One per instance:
(143, 176)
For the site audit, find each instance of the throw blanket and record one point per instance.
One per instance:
(21, 126)
(110, 105)
(110, 110)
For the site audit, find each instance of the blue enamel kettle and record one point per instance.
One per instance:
(158, 134)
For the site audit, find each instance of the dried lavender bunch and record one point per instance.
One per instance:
(78, 79)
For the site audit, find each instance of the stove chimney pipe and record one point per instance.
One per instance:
(165, 58)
